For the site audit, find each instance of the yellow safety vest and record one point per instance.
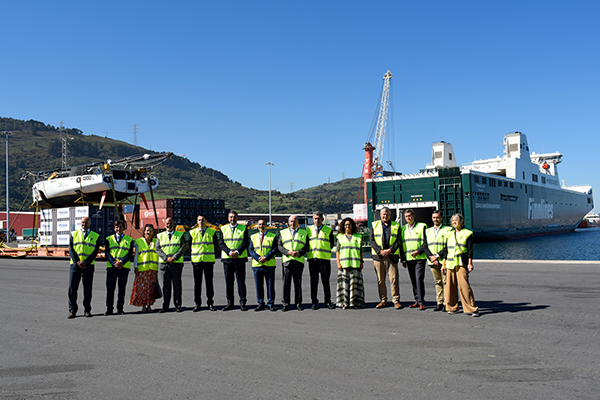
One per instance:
(293, 242)
(203, 248)
(234, 239)
(84, 246)
(170, 247)
(436, 243)
(263, 250)
(349, 250)
(457, 248)
(411, 241)
(319, 244)
(119, 250)
(378, 234)
(147, 258)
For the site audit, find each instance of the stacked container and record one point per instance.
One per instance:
(183, 211)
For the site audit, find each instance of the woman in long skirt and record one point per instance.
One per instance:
(349, 257)
(145, 266)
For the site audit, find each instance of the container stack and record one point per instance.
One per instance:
(56, 224)
(183, 211)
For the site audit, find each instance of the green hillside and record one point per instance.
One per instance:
(35, 146)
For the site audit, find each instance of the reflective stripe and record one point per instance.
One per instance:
(119, 250)
(412, 240)
(263, 250)
(235, 238)
(293, 242)
(170, 247)
(349, 250)
(84, 247)
(319, 244)
(147, 259)
(378, 234)
(457, 246)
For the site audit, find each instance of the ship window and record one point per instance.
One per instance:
(525, 188)
(483, 180)
(534, 177)
(512, 186)
(450, 156)
(437, 154)
(505, 184)
(476, 179)
(523, 175)
(543, 179)
(492, 182)
(514, 147)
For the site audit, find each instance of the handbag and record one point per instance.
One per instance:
(156, 292)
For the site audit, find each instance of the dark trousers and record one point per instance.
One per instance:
(235, 270)
(317, 267)
(171, 275)
(114, 276)
(262, 274)
(292, 272)
(76, 275)
(416, 271)
(208, 269)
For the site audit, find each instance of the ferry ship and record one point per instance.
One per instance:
(511, 196)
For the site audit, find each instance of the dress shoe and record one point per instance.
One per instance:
(440, 307)
(108, 312)
(422, 307)
(71, 315)
(228, 307)
(197, 308)
(243, 307)
(88, 314)
(451, 312)
(383, 304)
(212, 308)
(179, 309)
(285, 308)
(163, 310)
(414, 305)
(260, 307)
(331, 306)
(397, 305)
(272, 308)
(299, 307)
(475, 314)
(314, 307)
(120, 312)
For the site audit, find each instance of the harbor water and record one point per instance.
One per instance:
(583, 244)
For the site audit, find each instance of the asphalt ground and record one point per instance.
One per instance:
(537, 338)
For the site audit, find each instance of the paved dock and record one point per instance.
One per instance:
(538, 338)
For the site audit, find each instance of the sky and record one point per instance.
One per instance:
(234, 85)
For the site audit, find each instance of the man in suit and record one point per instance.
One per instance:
(413, 257)
(83, 247)
(234, 254)
(263, 246)
(320, 242)
(293, 245)
(205, 241)
(170, 247)
(385, 242)
(119, 251)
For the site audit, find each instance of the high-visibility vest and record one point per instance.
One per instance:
(378, 234)
(349, 250)
(263, 249)
(436, 243)
(170, 247)
(234, 239)
(119, 250)
(457, 248)
(319, 244)
(147, 258)
(84, 246)
(411, 241)
(293, 242)
(203, 247)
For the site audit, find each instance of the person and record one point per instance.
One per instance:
(457, 265)
(320, 242)
(234, 255)
(170, 247)
(293, 246)
(83, 248)
(413, 258)
(118, 250)
(385, 242)
(204, 242)
(145, 267)
(434, 249)
(349, 257)
(263, 246)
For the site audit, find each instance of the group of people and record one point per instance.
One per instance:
(157, 262)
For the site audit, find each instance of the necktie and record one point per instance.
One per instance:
(170, 235)
(262, 235)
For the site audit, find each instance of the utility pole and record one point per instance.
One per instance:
(135, 135)
(64, 138)
(270, 164)
(7, 133)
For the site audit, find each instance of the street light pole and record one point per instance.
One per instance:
(270, 164)
(6, 133)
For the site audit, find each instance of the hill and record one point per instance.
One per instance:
(35, 146)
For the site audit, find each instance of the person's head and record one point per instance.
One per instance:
(86, 223)
(347, 226)
(436, 217)
(385, 215)
(149, 232)
(119, 227)
(262, 225)
(169, 224)
(318, 218)
(458, 221)
(293, 222)
(232, 217)
(409, 216)
(201, 220)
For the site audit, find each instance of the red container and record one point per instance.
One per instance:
(161, 213)
(163, 203)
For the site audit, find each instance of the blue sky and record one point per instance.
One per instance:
(237, 84)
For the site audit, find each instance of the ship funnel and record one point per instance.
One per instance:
(443, 155)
